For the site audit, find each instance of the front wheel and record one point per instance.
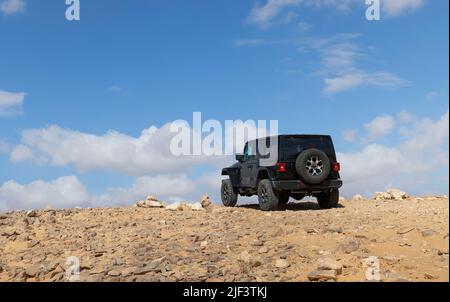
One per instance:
(328, 200)
(268, 200)
(229, 197)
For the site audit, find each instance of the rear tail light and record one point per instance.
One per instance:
(336, 167)
(281, 168)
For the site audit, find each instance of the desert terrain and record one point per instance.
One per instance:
(362, 240)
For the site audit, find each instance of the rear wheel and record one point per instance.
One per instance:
(328, 200)
(268, 200)
(229, 197)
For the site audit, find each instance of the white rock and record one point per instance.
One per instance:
(206, 201)
(150, 204)
(32, 213)
(281, 263)
(397, 194)
(382, 196)
(196, 206)
(151, 198)
(177, 206)
(357, 197)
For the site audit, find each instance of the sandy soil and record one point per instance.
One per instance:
(409, 239)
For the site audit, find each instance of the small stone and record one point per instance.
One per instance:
(397, 194)
(177, 206)
(430, 276)
(428, 233)
(118, 261)
(329, 264)
(206, 201)
(156, 263)
(128, 271)
(115, 272)
(151, 198)
(281, 263)
(322, 275)
(204, 244)
(244, 257)
(257, 242)
(32, 213)
(334, 229)
(196, 206)
(263, 250)
(350, 247)
(33, 270)
(382, 196)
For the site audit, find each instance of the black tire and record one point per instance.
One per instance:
(328, 200)
(268, 200)
(313, 166)
(229, 197)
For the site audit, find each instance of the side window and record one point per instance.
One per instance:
(246, 150)
(249, 150)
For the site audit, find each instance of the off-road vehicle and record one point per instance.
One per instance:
(305, 165)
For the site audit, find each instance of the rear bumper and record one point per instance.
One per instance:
(301, 187)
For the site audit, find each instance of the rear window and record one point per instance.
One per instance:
(290, 147)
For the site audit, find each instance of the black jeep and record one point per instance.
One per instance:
(304, 165)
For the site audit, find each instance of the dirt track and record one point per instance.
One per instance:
(408, 237)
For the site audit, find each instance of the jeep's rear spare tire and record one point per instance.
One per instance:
(313, 166)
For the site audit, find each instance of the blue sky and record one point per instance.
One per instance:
(379, 88)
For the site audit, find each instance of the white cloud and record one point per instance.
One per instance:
(405, 117)
(413, 165)
(349, 135)
(432, 95)
(5, 147)
(165, 187)
(68, 192)
(339, 58)
(11, 103)
(114, 151)
(9, 7)
(380, 126)
(269, 13)
(395, 8)
(116, 88)
(249, 42)
(342, 83)
(64, 192)
(357, 79)
(265, 14)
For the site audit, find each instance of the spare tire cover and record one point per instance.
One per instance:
(313, 166)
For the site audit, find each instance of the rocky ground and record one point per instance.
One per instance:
(396, 240)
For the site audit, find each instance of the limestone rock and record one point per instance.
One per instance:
(322, 275)
(328, 263)
(206, 201)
